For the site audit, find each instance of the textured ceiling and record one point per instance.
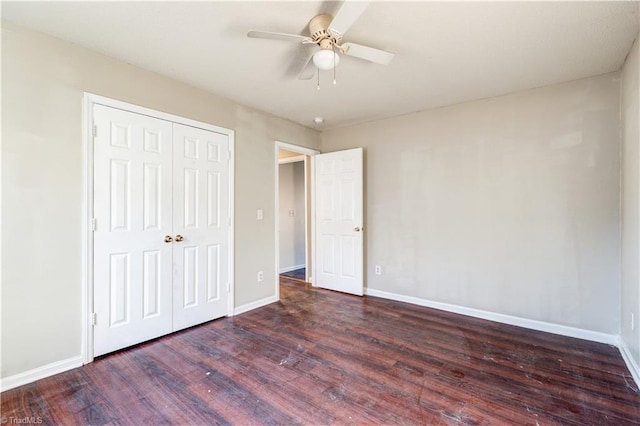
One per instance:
(446, 52)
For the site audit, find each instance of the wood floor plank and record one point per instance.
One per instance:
(320, 357)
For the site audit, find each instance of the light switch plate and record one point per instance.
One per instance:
(260, 214)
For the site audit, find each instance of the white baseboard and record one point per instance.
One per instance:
(632, 365)
(29, 376)
(292, 268)
(563, 330)
(254, 305)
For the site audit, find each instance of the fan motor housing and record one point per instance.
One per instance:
(318, 30)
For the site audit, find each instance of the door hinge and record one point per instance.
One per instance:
(95, 130)
(94, 318)
(94, 224)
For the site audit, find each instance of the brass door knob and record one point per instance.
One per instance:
(167, 238)
(179, 238)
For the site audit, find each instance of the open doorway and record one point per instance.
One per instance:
(292, 203)
(293, 213)
(334, 190)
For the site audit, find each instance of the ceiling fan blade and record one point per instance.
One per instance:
(306, 68)
(346, 16)
(277, 36)
(307, 73)
(367, 53)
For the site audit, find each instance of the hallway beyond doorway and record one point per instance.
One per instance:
(298, 274)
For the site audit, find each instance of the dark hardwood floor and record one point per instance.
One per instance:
(319, 357)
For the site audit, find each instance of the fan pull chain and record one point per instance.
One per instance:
(334, 65)
(318, 87)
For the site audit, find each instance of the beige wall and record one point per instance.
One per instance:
(509, 205)
(43, 80)
(630, 100)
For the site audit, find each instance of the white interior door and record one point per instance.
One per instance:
(201, 225)
(339, 221)
(132, 205)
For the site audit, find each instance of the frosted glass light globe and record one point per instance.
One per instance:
(324, 59)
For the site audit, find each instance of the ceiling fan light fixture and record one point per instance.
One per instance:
(326, 59)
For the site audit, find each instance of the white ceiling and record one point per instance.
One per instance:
(446, 52)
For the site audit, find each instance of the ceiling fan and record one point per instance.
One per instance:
(325, 40)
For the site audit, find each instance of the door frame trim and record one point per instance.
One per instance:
(88, 101)
(309, 228)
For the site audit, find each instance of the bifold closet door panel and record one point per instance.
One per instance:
(133, 215)
(200, 224)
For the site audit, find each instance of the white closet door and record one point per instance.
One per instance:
(132, 205)
(201, 222)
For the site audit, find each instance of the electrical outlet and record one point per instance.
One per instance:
(378, 270)
(260, 276)
(292, 213)
(260, 214)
